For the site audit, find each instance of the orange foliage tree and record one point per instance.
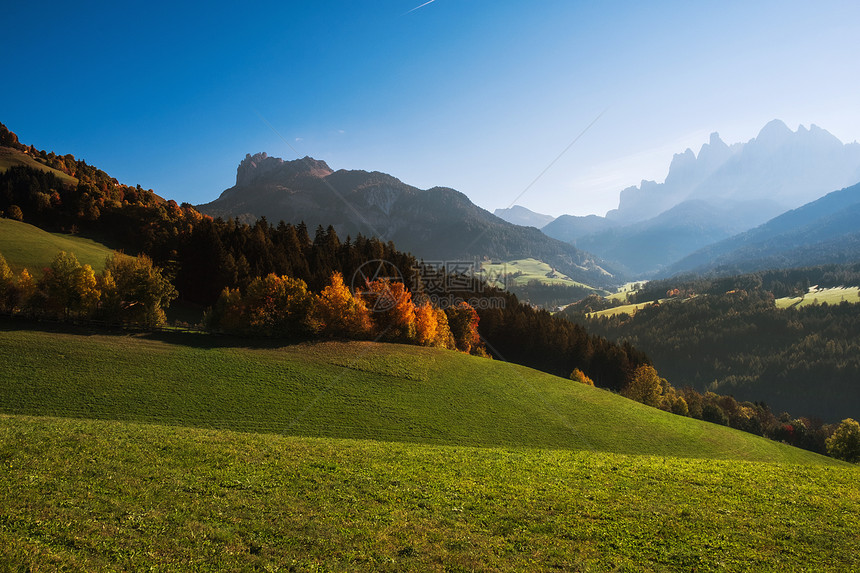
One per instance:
(463, 322)
(391, 308)
(337, 313)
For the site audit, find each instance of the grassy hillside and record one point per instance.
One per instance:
(521, 271)
(24, 245)
(358, 390)
(107, 496)
(12, 157)
(816, 295)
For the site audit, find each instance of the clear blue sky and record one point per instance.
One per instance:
(477, 95)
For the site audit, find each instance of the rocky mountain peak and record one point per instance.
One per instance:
(259, 165)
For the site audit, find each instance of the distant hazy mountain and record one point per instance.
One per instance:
(519, 215)
(569, 228)
(437, 224)
(780, 166)
(721, 191)
(824, 231)
(643, 248)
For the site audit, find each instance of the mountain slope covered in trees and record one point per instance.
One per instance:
(726, 335)
(824, 231)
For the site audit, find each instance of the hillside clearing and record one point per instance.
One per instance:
(26, 246)
(817, 295)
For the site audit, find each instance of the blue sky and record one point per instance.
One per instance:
(477, 95)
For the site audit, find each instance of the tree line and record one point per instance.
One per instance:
(130, 290)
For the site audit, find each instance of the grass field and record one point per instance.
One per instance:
(815, 296)
(625, 289)
(530, 269)
(11, 157)
(192, 452)
(82, 495)
(26, 246)
(358, 390)
(625, 308)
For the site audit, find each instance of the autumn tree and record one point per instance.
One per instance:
(443, 338)
(844, 443)
(338, 313)
(579, 376)
(279, 305)
(426, 324)
(6, 284)
(141, 289)
(391, 308)
(24, 290)
(463, 322)
(68, 287)
(646, 386)
(226, 314)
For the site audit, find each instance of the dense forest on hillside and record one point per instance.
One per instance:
(731, 338)
(202, 256)
(778, 282)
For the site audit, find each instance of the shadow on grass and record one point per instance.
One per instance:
(180, 337)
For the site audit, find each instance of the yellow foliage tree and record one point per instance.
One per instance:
(579, 376)
(444, 338)
(338, 313)
(25, 289)
(279, 305)
(646, 386)
(426, 324)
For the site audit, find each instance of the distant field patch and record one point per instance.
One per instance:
(625, 289)
(26, 246)
(816, 295)
(521, 271)
(624, 309)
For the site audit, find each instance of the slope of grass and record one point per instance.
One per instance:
(816, 295)
(357, 390)
(12, 157)
(107, 496)
(26, 246)
(530, 270)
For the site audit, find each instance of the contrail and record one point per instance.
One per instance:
(429, 2)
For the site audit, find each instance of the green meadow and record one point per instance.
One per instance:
(816, 296)
(26, 246)
(355, 390)
(526, 270)
(194, 452)
(81, 495)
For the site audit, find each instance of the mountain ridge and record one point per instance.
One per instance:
(436, 224)
(826, 230)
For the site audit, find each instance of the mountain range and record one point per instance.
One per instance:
(438, 224)
(722, 191)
